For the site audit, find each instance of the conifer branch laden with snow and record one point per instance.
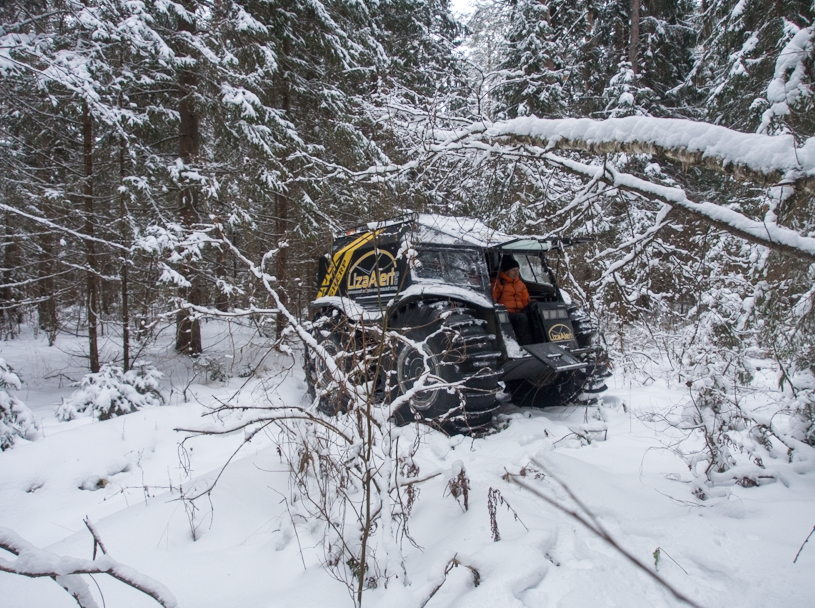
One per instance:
(113, 392)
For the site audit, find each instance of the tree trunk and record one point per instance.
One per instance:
(188, 329)
(125, 286)
(11, 249)
(46, 302)
(90, 248)
(282, 203)
(281, 271)
(634, 43)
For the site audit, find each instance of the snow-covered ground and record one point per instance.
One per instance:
(734, 549)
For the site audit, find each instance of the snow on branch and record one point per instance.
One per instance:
(747, 156)
(770, 235)
(757, 157)
(35, 563)
(788, 85)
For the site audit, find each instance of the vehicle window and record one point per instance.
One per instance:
(532, 269)
(460, 267)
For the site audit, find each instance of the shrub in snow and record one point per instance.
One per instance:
(113, 392)
(801, 395)
(211, 368)
(16, 420)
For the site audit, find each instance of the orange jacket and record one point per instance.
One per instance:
(512, 293)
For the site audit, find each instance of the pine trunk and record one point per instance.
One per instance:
(188, 329)
(633, 47)
(92, 284)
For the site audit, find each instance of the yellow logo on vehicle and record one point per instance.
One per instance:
(374, 270)
(560, 332)
(339, 263)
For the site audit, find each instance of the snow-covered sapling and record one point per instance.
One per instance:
(16, 420)
(113, 392)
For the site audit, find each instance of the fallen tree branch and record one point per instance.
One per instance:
(748, 157)
(774, 237)
(761, 159)
(453, 563)
(36, 563)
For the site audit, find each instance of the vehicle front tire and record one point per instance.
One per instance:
(445, 340)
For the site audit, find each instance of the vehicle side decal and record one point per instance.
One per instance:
(339, 264)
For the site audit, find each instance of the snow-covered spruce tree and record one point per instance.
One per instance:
(113, 392)
(485, 44)
(647, 62)
(79, 107)
(418, 39)
(541, 72)
(741, 44)
(626, 95)
(16, 420)
(575, 59)
(784, 304)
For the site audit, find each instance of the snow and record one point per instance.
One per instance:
(446, 291)
(789, 85)
(455, 230)
(461, 230)
(734, 549)
(349, 307)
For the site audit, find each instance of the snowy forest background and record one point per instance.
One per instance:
(164, 163)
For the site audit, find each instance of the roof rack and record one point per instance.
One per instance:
(407, 218)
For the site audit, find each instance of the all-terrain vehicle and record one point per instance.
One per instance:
(406, 309)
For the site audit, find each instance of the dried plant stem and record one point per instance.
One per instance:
(797, 555)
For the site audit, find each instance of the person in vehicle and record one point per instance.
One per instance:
(508, 289)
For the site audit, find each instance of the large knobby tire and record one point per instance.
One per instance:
(445, 340)
(332, 332)
(591, 381)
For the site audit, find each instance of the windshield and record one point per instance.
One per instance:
(462, 267)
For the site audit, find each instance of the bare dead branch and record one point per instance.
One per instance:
(97, 540)
(453, 563)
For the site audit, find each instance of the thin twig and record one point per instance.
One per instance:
(661, 551)
(802, 545)
(97, 540)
